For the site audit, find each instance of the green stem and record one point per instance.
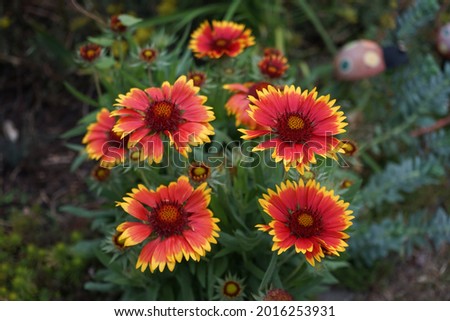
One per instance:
(394, 132)
(97, 84)
(269, 272)
(370, 161)
(232, 9)
(318, 25)
(294, 272)
(144, 178)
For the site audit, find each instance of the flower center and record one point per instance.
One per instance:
(221, 43)
(294, 128)
(168, 219)
(168, 214)
(305, 224)
(252, 91)
(163, 115)
(231, 289)
(295, 122)
(272, 69)
(148, 54)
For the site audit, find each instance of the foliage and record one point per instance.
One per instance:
(42, 268)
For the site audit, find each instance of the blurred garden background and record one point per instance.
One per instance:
(51, 239)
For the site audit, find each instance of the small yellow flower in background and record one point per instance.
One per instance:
(5, 22)
(300, 125)
(119, 48)
(221, 38)
(174, 220)
(308, 218)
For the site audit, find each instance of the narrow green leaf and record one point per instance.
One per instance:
(269, 272)
(80, 96)
(128, 20)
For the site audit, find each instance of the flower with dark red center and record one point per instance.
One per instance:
(306, 217)
(197, 77)
(346, 183)
(90, 52)
(102, 143)
(148, 55)
(230, 288)
(118, 243)
(300, 125)
(238, 103)
(273, 66)
(100, 174)
(174, 111)
(116, 25)
(199, 172)
(349, 147)
(278, 295)
(174, 220)
(221, 38)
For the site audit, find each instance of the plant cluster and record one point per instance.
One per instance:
(222, 177)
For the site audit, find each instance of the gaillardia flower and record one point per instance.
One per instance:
(239, 104)
(301, 125)
(306, 217)
(273, 66)
(148, 55)
(278, 295)
(199, 172)
(89, 52)
(198, 77)
(220, 38)
(230, 289)
(116, 25)
(102, 143)
(174, 111)
(174, 219)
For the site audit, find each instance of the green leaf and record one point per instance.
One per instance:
(128, 20)
(76, 131)
(82, 212)
(269, 272)
(80, 96)
(102, 41)
(105, 62)
(98, 286)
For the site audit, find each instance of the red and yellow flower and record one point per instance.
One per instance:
(174, 220)
(198, 77)
(300, 125)
(308, 218)
(89, 52)
(238, 103)
(116, 24)
(102, 143)
(148, 55)
(273, 66)
(173, 111)
(221, 38)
